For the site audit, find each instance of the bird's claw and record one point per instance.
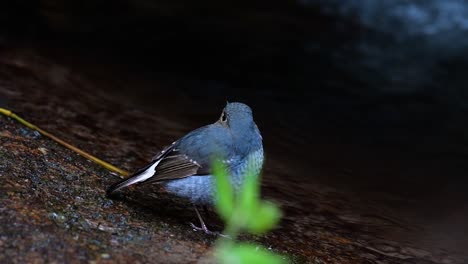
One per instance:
(207, 231)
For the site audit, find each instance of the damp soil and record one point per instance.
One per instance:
(54, 209)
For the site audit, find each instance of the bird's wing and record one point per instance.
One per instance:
(172, 163)
(192, 154)
(176, 165)
(169, 164)
(142, 174)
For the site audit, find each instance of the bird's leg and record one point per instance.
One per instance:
(203, 226)
(202, 223)
(207, 214)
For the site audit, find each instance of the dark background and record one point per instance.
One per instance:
(364, 96)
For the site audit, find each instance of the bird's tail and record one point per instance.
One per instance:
(140, 176)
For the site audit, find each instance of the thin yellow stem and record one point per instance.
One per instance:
(104, 164)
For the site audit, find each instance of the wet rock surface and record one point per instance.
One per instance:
(54, 209)
(53, 205)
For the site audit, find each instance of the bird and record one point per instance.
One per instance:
(184, 168)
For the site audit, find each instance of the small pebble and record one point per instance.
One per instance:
(29, 133)
(43, 150)
(107, 203)
(167, 247)
(60, 218)
(36, 134)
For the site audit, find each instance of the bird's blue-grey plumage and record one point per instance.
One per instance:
(184, 167)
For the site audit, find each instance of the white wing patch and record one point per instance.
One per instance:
(148, 173)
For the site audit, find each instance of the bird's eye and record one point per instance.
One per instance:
(223, 117)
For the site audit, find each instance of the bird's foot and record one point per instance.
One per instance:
(207, 231)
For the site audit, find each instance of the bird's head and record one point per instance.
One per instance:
(239, 119)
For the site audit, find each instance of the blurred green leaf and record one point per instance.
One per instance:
(243, 212)
(266, 217)
(224, 194)
(248, 253)
(248, 199)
